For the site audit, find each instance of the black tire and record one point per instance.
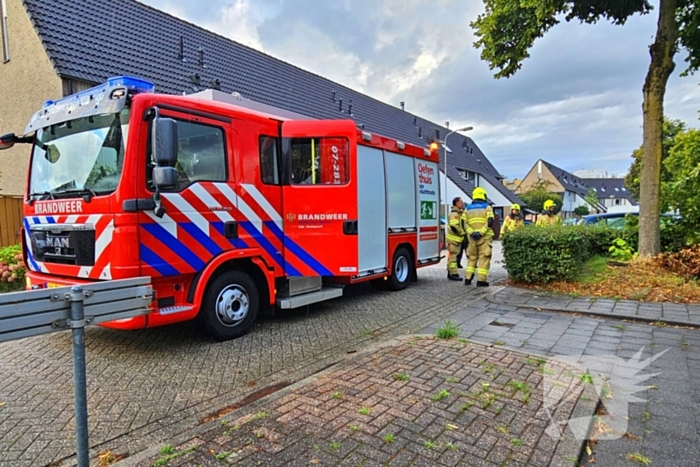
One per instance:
(230, 306)
(401, 270)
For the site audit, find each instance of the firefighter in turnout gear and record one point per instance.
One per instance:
(513, 221)
(479, 220)
(454, 236)
(548, 217)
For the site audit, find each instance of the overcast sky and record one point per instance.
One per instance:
(575, 103)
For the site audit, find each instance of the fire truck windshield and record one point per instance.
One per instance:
(79, 157)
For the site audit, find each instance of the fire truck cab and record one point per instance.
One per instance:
(229, 205)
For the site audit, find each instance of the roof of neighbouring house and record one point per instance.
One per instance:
(92, 40)
(611, 188)
(569, 181)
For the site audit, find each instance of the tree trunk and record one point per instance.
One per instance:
(662, 51)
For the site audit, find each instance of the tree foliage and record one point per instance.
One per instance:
(508, 29)
(592, 198)
(633, 178)
(535, 197)
(681, 192)
(582, 211)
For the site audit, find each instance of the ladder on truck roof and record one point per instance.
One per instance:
(237, 100)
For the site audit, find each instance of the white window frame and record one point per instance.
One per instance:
(5, 35)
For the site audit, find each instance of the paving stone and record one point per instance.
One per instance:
(146, 385)
(423, 441)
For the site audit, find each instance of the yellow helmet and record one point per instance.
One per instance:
(515, 207)
(479, 193)
(548, 204)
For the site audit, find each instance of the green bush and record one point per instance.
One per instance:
(674, 234)
(11, 269)
(599, 238)
(621, 251)
(543, 254)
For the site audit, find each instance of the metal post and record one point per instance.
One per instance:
(77, 325)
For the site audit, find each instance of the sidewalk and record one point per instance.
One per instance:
(414, 401)
(662, 360)
(422, 401)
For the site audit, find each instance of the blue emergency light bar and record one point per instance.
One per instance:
(106, 98)
(134, 85)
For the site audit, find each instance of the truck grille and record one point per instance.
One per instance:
(64, 244)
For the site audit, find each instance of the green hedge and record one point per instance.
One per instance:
(543, 254)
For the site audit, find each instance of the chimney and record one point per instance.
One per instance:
(403, 104)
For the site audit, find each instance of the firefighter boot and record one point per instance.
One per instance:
(453, 277)
(467, 281)
(482, 284)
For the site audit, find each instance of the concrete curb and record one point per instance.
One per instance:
(640, 319)
(569, 447)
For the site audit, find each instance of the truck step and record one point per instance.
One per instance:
(325, 293)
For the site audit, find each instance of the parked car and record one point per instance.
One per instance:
(615, 220)
(571, 221)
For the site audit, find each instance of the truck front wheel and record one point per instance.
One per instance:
(230, 306)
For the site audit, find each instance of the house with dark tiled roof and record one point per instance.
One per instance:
(572, 189)
(612, 193)
(59, 47)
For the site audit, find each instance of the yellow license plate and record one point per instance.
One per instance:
(54, 286)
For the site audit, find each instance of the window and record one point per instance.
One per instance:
(617, 202)
(468, 175)
(320, 161)
(616, 222)
(269, 165)
(5, 34)
(201, 155)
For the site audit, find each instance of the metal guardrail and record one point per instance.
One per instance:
(36, 312)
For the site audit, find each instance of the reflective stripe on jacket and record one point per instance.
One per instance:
(476, 218)
(454, 232)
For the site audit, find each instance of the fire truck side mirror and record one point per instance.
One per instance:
(165, 177)
(165, 142)
(7, 141)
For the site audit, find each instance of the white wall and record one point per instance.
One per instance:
(494, 195)
(610, 202)
(573, 200)
(452, 191)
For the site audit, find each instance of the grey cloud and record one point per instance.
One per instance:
(576, 102)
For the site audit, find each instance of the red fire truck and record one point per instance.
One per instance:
(229, 205)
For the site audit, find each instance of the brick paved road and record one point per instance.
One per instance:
(419, 402)
(664, 428)
(147, 386)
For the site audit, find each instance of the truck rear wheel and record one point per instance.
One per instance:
(230, 306)
(402, 269)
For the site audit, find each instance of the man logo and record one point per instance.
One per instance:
(291, 217)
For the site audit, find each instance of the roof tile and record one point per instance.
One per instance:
(92, 40)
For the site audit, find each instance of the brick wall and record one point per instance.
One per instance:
(26, 81)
